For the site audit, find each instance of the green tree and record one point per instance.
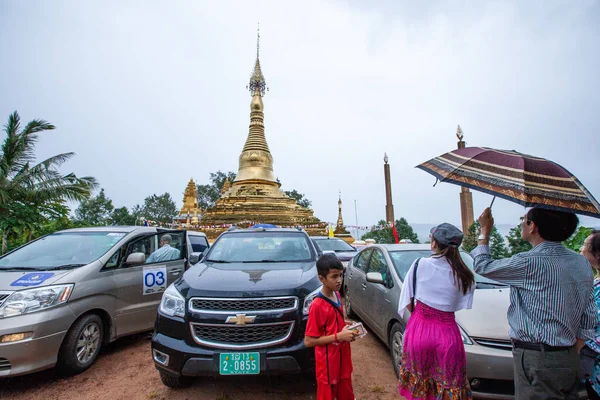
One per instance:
(382, 233)
(25, 184)
(210, 193)
(95, 211)
(161, 208)
(121, 216)
(497, 245)
(576, 240)
(299, 197)
(516, 244)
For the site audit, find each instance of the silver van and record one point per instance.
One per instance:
(66, 294)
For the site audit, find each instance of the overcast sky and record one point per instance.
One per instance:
(152, 93)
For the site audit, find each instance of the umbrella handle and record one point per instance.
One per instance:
(492, 202)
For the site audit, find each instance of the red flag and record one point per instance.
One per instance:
(395, 233)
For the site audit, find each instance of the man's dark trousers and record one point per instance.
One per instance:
(543, 374)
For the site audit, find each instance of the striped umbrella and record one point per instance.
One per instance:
(520, 178)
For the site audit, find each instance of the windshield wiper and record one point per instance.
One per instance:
(66, 266)
(264, 261)
(19, 269)
(219, 261)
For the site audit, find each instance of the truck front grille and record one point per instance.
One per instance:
(247, 306)
(241, 336)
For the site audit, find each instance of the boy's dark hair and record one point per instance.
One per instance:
(552, 225)
(328, 262)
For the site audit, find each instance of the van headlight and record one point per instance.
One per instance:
(37, 299)
(172, 303)
(309, 299)
(465, 338)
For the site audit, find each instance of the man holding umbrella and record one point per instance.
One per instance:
(552, 311)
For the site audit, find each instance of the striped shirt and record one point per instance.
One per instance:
(551, 293)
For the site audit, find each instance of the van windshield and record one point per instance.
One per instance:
(61, 250)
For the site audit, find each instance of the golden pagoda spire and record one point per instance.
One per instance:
(190, 198)
(256, 161)
(226, 185)
(340, 220)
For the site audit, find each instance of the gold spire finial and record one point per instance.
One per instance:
(256, 161)
(257, 85)
(459, 133)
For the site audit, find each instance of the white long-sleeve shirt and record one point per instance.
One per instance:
(435, 287)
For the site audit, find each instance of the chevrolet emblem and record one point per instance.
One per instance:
(240, 319)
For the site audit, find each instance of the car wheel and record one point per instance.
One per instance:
(348, 305)
(81, 345)
(396, 337)
(174, 382)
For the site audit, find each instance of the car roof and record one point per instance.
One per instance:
(402, 247)
(325, 237)
(125, 229)
(196, 233)
(246, 230)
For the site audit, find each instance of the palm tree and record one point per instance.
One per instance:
(23, 182)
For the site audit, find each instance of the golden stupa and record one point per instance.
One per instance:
(255, 195)
(190, 210)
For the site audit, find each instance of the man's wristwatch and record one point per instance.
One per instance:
(482, 237)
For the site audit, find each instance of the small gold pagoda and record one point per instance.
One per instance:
(255, 195)
(339, 227)
(189, 211)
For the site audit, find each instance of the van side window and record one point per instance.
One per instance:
(169, 248)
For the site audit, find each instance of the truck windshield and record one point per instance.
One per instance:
(258, 247)
(61, 250)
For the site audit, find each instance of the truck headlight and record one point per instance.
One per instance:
(309, 299)
(37, 299)
(465, 338)
(172, 303)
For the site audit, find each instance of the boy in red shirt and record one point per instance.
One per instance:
(327, 331)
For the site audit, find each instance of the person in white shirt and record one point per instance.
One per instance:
(165, 252)
(433, 360)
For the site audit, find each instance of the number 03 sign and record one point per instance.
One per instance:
(155, 280)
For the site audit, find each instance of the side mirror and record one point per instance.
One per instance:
(375, 277)
(136, 259)
(195, 257)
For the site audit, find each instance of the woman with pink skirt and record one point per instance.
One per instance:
(433, 359)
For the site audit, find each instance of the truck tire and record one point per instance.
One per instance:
(81, 345)
(174, 382)
(396, 338)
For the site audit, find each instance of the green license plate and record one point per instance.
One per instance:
(239, 363)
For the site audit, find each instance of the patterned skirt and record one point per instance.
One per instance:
(434, 364)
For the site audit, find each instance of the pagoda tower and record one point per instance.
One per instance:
(339, 227)
(255, 195)
(189, 211)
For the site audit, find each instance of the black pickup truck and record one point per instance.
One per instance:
(241, 310)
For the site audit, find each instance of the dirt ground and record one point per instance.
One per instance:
(125, 370)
